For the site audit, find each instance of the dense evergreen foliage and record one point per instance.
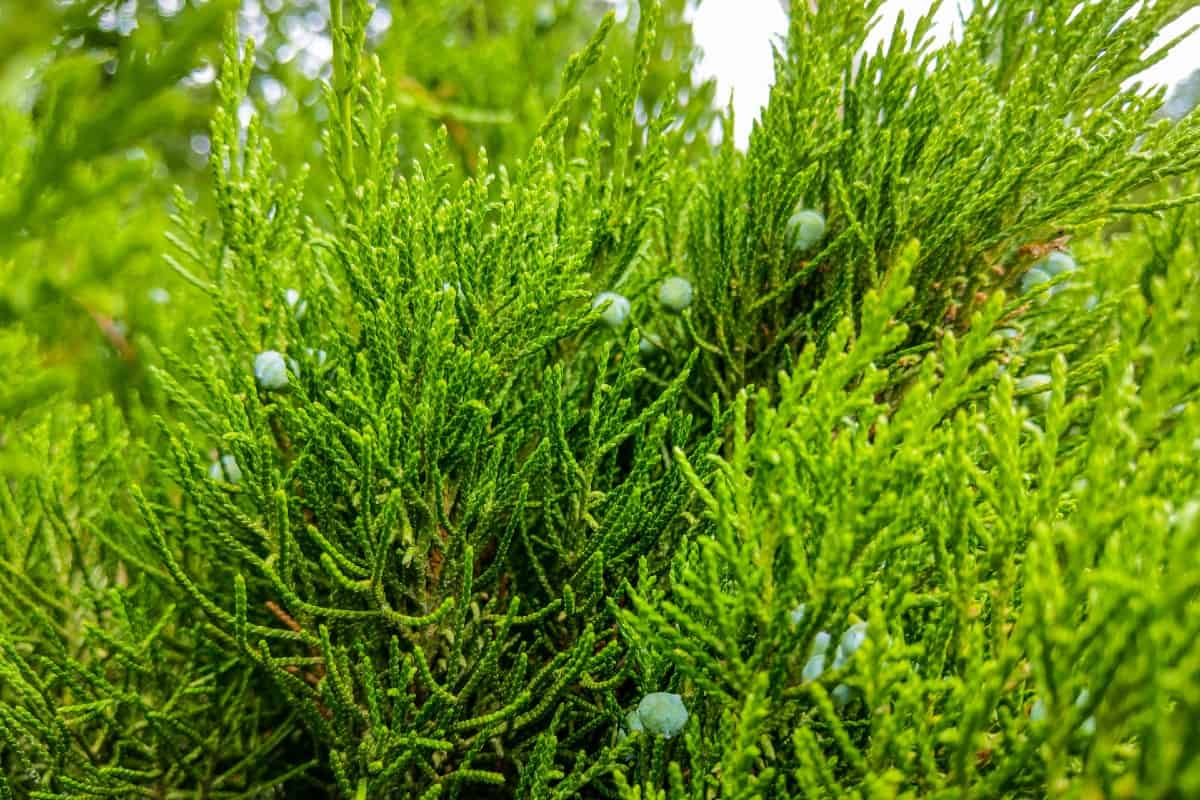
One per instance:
(480, 422)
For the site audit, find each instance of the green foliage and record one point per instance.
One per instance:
(976, 541)
(862, 516)
(982, 149)
(116, 117)
(109, 687)
(87, 151)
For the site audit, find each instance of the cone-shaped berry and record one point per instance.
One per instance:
(271, 370)
(615, 314)
(225, 469)
(805, 229)
(675, 293)
(662, 713)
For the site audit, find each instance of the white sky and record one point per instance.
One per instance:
(735, 36)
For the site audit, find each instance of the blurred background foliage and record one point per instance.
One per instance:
(104, 110)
